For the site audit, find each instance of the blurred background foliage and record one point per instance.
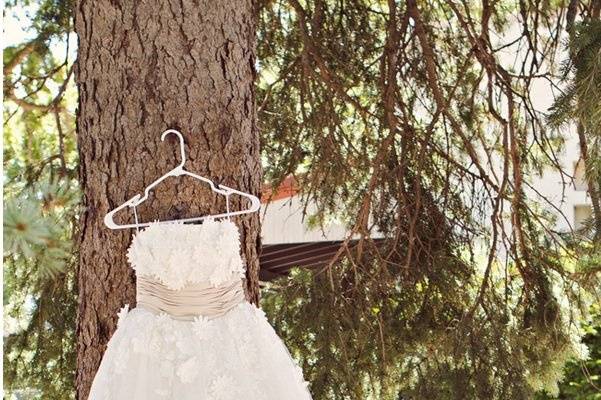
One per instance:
(41, 198)
(367, 104)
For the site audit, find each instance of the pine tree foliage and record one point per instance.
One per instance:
(579, 103)
(582, 377)
(41, 200)
(416, 118)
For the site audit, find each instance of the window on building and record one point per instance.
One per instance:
(582, 213)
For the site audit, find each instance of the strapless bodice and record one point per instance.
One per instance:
(177, 254)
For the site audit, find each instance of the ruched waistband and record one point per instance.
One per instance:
(193, 300)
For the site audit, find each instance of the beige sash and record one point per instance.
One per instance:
(191, 301)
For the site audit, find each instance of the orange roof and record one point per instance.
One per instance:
(287, 188)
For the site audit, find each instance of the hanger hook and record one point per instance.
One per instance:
(181, 144)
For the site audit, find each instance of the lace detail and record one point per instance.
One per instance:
(235, 356)
(201, 327)
(222, 388)
(176, 254)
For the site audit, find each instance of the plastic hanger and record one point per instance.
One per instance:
(178, 171)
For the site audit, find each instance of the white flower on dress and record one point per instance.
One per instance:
(185, 345)
(201, 325)
(222, 387)
(171, 336)
(152, 342)
(122, 314)
(188, 370)
(219, 275)
(139, 345)
(259, 313)
(175, 253)
(147, 337)
(164, 322)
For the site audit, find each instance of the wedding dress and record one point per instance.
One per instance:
(192, 334)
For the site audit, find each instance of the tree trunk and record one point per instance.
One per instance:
(144, 67)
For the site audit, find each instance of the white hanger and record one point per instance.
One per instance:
(177, 171)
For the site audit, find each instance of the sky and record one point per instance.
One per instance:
(15, 24)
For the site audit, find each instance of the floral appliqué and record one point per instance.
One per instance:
(177, 254)
(188, 370)
(223, 387)
(122, 314)
(201, 326)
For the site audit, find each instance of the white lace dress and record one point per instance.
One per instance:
(233, 356)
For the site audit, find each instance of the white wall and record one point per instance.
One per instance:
(282, 222)
(566, 200)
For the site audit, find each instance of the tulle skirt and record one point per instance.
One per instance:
(233, 357)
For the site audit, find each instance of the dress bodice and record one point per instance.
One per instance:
(177, 254)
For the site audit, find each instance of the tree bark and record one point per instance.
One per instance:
(143, 67)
